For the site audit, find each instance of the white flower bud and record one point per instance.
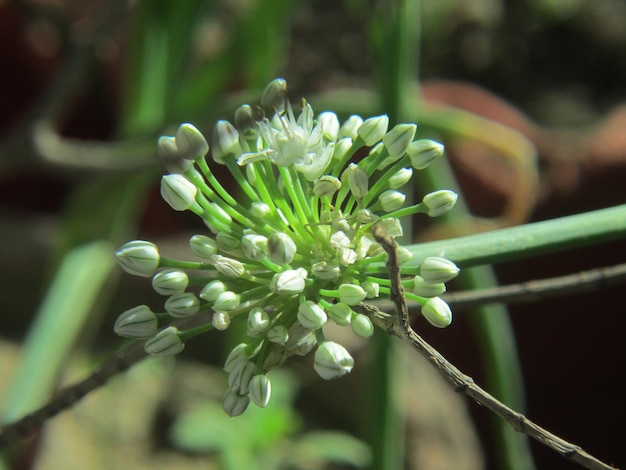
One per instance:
(435, 269)
(340, 313)
(423, 152)
(342, 147)
(437, 312)
(323, 270)
(260, 390)
(357, 180)
(137, 323)
(278, 334)
(258, 322)
(440, 202)
(365, 216)
(190, 142)
(372, 289)
(400, 178)
(178, 192)
(227, 266)
(426, 289)
(281, 249)
(168, 151)
(350, 127)
(362, 326)
(311, 315)
(326, 186)
(351, 294)
(260, 209)
(246, 121)
(165, 343)
(170, 281)
(237, 355)
(226, 301)
(332, 360)
(287, 282)
(398, 139)
(182, 305)
(202, 246)
(347, 256)
(227, 242)
(225, 142)
(138, 257)
(391, 200)
(329, 125)
(373, 129)
(212, 290)
(404, 255)
(274, 95)
(235, 404)
(254, 246)
(220, 320)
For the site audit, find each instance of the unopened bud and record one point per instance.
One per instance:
(332, 360)
(137, 323)
(166, 343)
(138, 257)
(437, 312)
(440, 202)
(435, 269)
(373, 129)
(311, 315)
(182, 305)
(423, 152)
(170, 281)
(178, 192)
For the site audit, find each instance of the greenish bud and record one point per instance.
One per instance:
(239, 378)
(260, 389)
(258, 322)
(332, 360)
(404, 255)
(435, 269)
(351, 294)
(287, 282)
(323, 270)
(426, 289)
(340, 313)
(182, 305)
(373, 129)
(278, 334)
(235, 404)
(342, 147)
(274, 96)
(326, 186)
(170, 281)
(440, 202)
(226, 242)
(391, 200)
(372, 289)
(423, 152)
(350, 127)
(225, 142)
(398, 139)
(391, 226)
(311, 315)
(168, 151)
(137, 323)
(178, 192)
(220, 320)
(400, 178)
(329, 125)
(362, 326)
(357, 180)
(212, 290)
(437, 312)
(226, 301)
(254, 246)
(246, 121)
(281, 249)
(237, 355)
(190, 142)
(202, 246)
(227, 266)
(365, 216)
(167, 342)
(260, 209)
(138, 257)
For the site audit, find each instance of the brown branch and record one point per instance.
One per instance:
(461, 382)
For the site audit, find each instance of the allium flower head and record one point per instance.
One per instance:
(291, 248)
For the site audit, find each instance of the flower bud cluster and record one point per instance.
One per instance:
(293, 250)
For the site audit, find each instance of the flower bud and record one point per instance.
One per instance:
(170, 281)
(178, 192)
(281, 249)
(166, 343)
(391, 200)
(235, 404)
(426, 289)
(357, 180)
(278, 334)
(350, 127)
(423, 152)
(220, 320)
(260, 209)
(398, 139)
(137, 323)
(254, 246)
(227, 242)
(435, 269)
(323, 270)
(311, 315)
(347, 256)
(440, 202)
(237, 355)
(212, 290)
(365, 216)
(437, 312)
(329, 125)
(391, 226)
(351, 294)
(202, 246)
(182, 305)
(332, 360)
(258, 322)
(260, 389)
(226, 301)
(404, 255)
(372, 289)
(326, 186)
(362, 326)
(239, 378)
(138, 257)
(373, 129)
(246, 121)
(287, 282)
(190, 142)
(225, 141)
(340, 313)
(274, 97)
(342, 147)
(227, 266)
(400, 178)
